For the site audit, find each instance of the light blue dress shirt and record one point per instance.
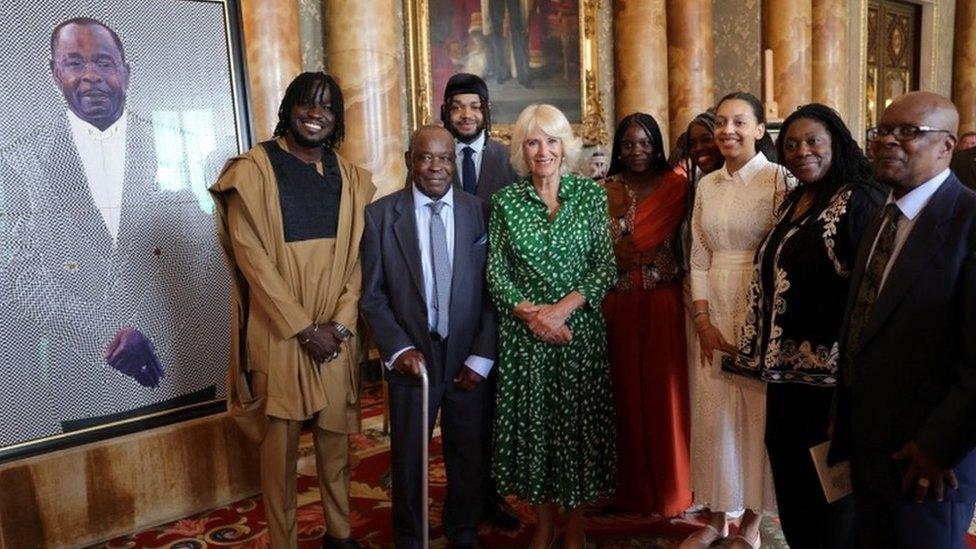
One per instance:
(422, 212)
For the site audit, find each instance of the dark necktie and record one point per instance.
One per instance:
(442, 268)
(469, 176)
(867, 292)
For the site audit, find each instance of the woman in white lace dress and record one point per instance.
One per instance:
(734, 209)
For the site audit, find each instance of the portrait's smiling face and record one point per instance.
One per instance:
(88, 66)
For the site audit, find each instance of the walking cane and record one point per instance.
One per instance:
(424, 456)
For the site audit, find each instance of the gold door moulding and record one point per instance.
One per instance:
(424, 100)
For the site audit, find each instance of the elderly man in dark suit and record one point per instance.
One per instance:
(483, 167)
(907, 408)
(435, 314)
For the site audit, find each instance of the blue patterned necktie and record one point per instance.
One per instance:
(867, 292)
(469, 176)
(442, 268)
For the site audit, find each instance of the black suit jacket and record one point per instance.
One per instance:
(496, 170)
(964, 166)
(393, 300)
(913, 375)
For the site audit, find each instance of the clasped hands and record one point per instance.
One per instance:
(411, 361)
(322, 342)
(546, 322)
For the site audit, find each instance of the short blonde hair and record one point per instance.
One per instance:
(552, 122)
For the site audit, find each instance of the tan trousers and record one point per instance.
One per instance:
(279, 460)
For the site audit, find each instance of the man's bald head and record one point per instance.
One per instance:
(429, 131)
(907, 164)
(430, 160)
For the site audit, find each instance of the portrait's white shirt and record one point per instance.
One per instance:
(422, 213)
(102, 156)
(478, 145)
(910, 206)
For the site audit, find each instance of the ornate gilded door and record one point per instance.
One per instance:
(893, 31)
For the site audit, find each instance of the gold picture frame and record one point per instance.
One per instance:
(424, 101)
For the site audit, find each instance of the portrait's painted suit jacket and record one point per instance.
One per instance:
(66, 290)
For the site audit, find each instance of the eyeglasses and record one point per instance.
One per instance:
(901, 133)
(104, 67)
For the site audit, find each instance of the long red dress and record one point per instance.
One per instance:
(646, 336)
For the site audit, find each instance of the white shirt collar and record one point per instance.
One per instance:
(420, 200)
(80, 127)
(915, 200)
(478, 144)
(746, 172)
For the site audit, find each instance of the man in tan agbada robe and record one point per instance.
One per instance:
(291, 217)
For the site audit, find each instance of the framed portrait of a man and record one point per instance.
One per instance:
(527, 51)
(114, 294)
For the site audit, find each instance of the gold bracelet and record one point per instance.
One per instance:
(699, 313)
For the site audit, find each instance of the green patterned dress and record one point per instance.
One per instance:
(554, 426)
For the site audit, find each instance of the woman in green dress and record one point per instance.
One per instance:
(549, 264)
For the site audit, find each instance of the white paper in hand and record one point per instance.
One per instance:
(835, 480)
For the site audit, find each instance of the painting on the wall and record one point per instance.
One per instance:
(114, 293)
(527, 51)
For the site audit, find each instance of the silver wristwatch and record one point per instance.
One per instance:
(344, 332)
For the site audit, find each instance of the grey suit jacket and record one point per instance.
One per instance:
(496, 170)
(393, 301)
(964, 166)
(67, 289)
(913, 375)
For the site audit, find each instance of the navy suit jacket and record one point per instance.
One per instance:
(496, 170)
(913, 375)
(393, 301)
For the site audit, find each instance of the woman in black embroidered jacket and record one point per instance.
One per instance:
(796, 304)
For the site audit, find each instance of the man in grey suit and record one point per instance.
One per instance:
(435, 314)
(907, 404)
(483, 165)
(484, 168)
(111, 284)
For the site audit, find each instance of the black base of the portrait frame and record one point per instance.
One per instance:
(82, 431)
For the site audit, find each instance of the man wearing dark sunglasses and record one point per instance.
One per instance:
(907, 404)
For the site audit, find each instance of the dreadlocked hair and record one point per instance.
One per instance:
(646, 122)
(304, 89)
(848, 165)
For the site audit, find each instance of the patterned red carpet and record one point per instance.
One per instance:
(242, 525)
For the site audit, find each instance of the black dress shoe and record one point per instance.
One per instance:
(329, 542)
(500, 515)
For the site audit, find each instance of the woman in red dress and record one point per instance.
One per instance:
(645, 322)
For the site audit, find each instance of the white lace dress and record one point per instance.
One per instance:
(732, 214)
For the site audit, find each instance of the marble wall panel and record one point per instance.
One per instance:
(830, 54)
(366, 63)
(787, 26)
(641, 59)
(690, 57)
(964, 65)
(274, 57)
